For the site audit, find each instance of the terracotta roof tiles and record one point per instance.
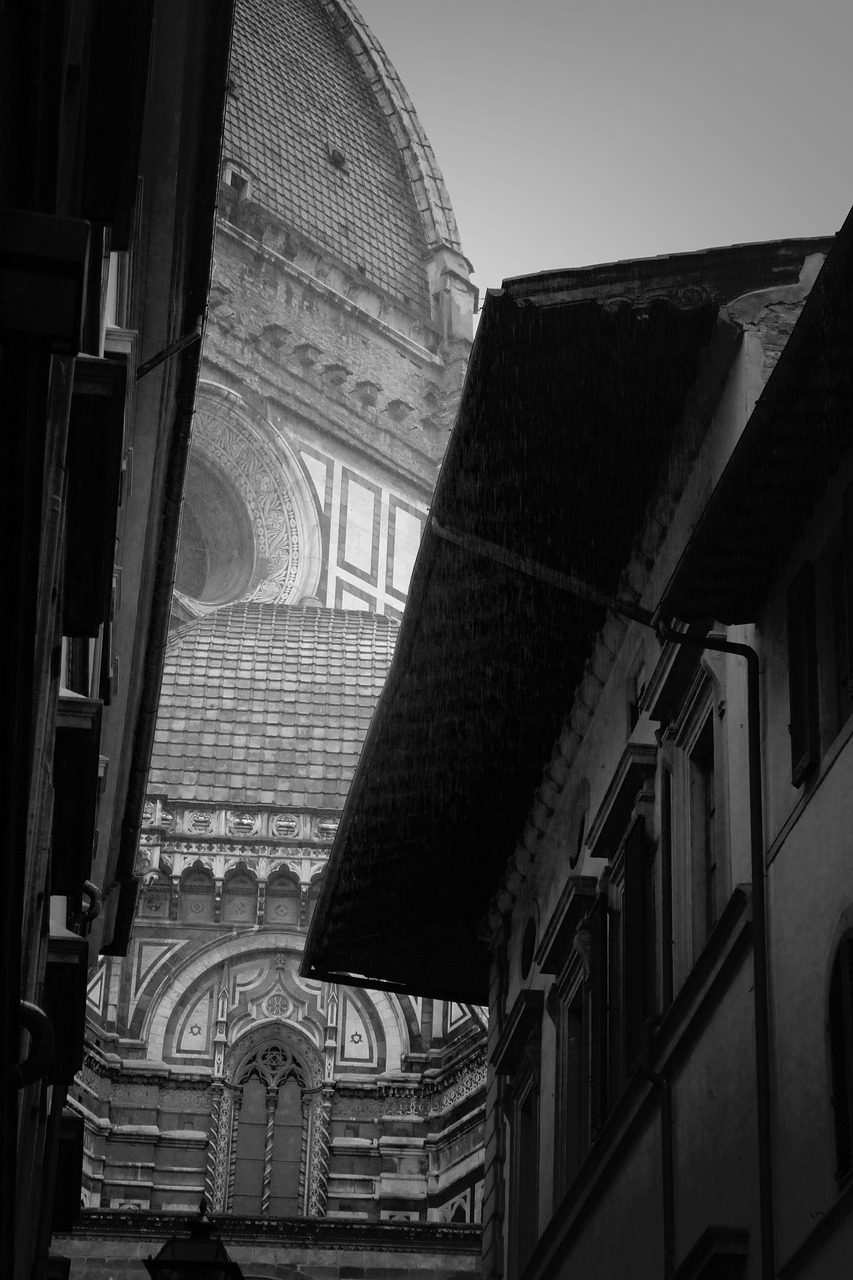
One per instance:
(295, 738)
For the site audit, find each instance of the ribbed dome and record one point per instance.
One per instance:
(269, 704)
(320, 152)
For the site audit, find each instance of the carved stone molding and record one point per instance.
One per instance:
(261, 466)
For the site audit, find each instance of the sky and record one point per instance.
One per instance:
(573, 132)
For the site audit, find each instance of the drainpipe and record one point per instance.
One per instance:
(761, 994)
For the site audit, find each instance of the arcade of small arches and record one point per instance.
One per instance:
(242, 896)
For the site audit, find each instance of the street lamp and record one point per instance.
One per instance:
(201, 1257)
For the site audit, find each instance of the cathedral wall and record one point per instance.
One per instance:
(358, 394)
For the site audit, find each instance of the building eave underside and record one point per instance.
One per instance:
(487, 660)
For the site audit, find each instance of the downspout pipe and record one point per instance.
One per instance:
(761, 989)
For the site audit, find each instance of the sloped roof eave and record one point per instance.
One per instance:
(487, 661)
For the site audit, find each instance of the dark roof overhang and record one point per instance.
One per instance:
(797, 434)
(568, 415)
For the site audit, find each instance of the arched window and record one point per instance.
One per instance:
(282, 899)
(240, 898)
(197, 890)
(154, 899)
(840, 1023)
(269, 1126)
(314, 893)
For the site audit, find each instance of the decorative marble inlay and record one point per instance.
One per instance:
(285, 826)
(232, 441)
(278, 1005)
(242, 824)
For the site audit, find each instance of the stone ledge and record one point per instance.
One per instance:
(318, 1233)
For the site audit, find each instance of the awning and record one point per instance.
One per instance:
(567, 418)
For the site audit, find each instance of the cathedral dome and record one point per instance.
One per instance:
(320, 133)
(269, 704)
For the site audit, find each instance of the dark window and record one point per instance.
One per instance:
(572, 1123)
(842, 612)
(268, 1135)
(802, 666)
(599, 979)
(528, 946)
(517, 1057)
(239, 183)
(524, 1185)
(639, 941)
(703, 829)
(841, 1055)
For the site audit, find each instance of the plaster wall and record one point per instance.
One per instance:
(716, 1180)
(810, 890)
(623, 1220)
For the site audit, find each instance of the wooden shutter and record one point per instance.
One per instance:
(802, 674)
(598, 982)
(840, 1028)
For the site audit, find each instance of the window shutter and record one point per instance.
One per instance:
(598, 1064)
(633, 913)
(840, 986)
(846, 623)
(802, 673)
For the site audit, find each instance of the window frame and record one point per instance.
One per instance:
(839, 1031)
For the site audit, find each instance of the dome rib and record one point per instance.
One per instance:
(431, 194)
(320, 122)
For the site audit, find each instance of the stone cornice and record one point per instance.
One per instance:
(202, 821)
(320, 1233)
(411, 347)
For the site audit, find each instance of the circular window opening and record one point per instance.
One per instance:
(528, 945)
(216, 555)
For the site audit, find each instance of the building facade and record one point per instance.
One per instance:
(667, 914)
(105, 256)
(339, 329)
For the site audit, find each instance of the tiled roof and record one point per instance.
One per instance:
(269, 704)
(298, 93)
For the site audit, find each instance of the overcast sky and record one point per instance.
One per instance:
(580, 131)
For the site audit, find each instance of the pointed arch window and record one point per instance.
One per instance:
(240, 898)
(281, 905)
(197, 895)
(268, 1154)
(269, 1134)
